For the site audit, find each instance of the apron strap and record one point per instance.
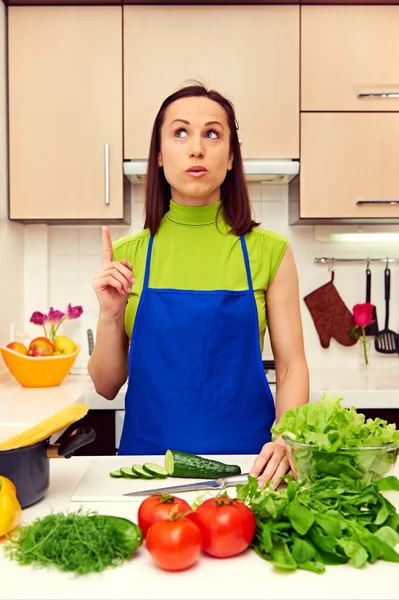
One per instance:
(147, 264)
(247, 265)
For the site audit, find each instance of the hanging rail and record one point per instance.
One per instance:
(331, 260)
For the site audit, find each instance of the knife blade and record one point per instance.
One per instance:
(212, 484)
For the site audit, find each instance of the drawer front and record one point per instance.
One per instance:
(348, 53)
(349, 165)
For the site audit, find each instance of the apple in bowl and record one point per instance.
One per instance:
(41, 346)
(63, 345)
(18, 347)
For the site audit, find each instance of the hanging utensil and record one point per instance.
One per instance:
(90, 341)
(388, 340)
(372, 328)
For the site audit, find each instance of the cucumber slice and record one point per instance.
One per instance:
(138, 469)
(128, 472)
(155, 470)
(116, 474)
(183, 464)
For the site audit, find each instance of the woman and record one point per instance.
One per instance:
(191, 292)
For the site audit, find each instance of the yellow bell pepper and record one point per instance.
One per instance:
(10, 508)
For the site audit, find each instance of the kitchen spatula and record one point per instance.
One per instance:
(388, 340)
(371, 329)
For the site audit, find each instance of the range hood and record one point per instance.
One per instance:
(264, 171)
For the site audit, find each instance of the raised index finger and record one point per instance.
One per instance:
(107, 245)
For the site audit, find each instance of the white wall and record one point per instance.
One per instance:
(74, 255)
(11, 234)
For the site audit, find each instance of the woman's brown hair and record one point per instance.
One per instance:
(235, 202)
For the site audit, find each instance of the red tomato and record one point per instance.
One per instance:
(227, 526)
(174, 545)
(158, 508)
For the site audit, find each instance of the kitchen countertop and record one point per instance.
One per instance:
(31, 405)
(364, 387)
(244, 576)
(372, 388)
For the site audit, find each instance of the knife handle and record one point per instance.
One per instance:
(236, 480)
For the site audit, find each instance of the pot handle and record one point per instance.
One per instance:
(76, 439)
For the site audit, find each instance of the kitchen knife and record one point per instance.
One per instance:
(212, 484)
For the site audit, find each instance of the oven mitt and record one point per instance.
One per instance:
(332, 318)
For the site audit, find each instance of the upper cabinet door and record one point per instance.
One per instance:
(65, 111)
(248, 53)
(349, 166)
(349, 58)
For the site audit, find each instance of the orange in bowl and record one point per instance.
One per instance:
(38, 371)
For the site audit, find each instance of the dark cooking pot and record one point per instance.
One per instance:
(28, 467)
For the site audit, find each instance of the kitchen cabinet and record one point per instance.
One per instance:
(65, 114)
(349, 58)
(349, 167)
(248, 53)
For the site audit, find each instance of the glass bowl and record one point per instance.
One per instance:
(365, 464)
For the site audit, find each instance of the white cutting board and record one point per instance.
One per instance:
(98, 486)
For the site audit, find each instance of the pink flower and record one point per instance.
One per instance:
(54, 316)
(38, 318)
(73, 312)
(363, 314)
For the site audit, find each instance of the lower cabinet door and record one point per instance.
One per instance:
(103, 423)
(119, 419)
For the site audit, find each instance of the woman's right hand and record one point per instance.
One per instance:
(113, 282)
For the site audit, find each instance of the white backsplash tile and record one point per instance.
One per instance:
(89, 240)
(63, 240)
(88, 265)
(62, 293)
(64, 267)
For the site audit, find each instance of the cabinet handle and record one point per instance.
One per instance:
(377, 202)
(378, 95)
(106, 173)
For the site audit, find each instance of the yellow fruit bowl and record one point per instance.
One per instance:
(38, 371)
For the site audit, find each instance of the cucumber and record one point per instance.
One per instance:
(116, 473)
(128, 472)
(138, 469)
(155, 470)
(183, 464)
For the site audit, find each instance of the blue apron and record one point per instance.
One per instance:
(196, 379)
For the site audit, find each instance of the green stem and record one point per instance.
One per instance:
(55, 330)
(45, 332)
(364, 342)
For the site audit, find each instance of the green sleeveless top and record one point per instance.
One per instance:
(193, 251)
